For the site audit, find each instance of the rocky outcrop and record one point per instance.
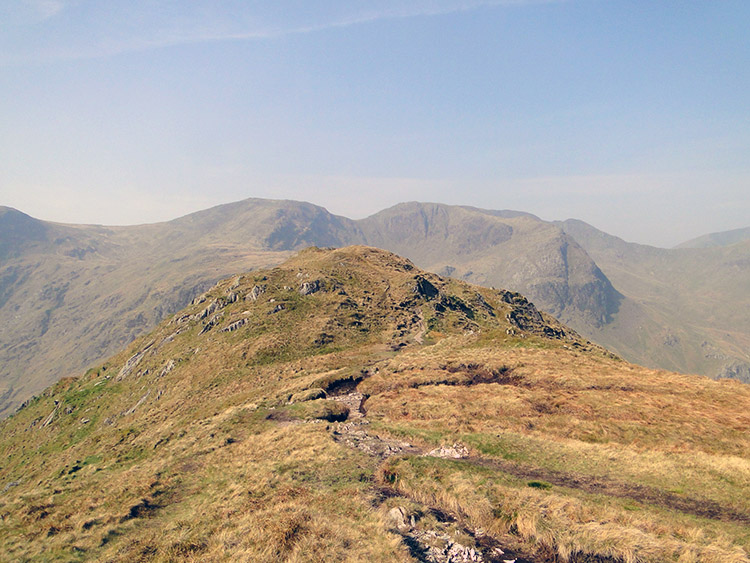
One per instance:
(735, 370)
(308, 288)
(456, 451)
(255, 292)
(133, 362)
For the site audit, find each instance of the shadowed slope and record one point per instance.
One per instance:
(505, 249)
(685, 309)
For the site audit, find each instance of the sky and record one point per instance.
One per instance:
(632, 115)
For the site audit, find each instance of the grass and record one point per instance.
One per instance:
(571, 450)
(557, 521)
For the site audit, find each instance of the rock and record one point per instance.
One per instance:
(132, 362)
(138, 404)
(308, 288)
(11, 484)
(210, 324)
(255, 292)
(48, 420)
(396, 518)
(181, 319)
(167, 368)
(456, 451)
(424, 288)
(234, 326)
(210, 310)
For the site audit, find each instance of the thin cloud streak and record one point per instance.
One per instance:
(48, 9)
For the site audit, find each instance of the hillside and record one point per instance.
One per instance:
(724, 238)
(74, 294)
(346, 406)
(685, 308)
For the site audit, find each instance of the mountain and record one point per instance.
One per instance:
(78, 293)
(507, 249)
(18, 232)
(684, 309)
(724, 238)
(74, 294)
(347, 406)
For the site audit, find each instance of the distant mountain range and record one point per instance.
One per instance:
(725, 238)
(73, 294)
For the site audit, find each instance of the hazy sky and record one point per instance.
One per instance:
(633, 115)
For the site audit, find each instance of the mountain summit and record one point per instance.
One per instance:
(348, 406)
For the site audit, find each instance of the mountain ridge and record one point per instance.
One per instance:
(76, 293)
(722, 238)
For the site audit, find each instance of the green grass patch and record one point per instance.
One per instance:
(543, 485)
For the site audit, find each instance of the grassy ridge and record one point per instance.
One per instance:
(216, 437)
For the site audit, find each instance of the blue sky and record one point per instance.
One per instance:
(631, 115)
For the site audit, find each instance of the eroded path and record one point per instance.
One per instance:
(601, 485)
(435, 546)
(432, 544)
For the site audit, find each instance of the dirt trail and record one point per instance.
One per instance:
(355, 434)
(425, 545)
(601, 485)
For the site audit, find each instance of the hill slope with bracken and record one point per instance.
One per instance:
(347, 406)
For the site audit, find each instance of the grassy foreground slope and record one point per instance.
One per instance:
(347, 406)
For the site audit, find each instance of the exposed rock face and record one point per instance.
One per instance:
(736, 370)
(456, 451)
(234, 326)
(308, 288)
(424, 288)
(255, 292)
(133, 362)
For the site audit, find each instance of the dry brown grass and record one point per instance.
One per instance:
(209, 461)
